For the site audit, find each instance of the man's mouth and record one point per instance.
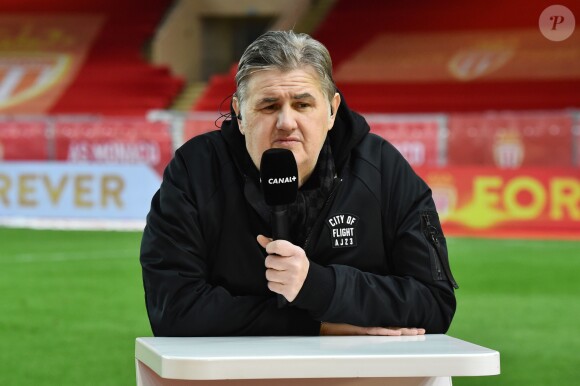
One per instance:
(288, 141)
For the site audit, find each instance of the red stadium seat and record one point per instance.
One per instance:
(352, 25)
(115, 78)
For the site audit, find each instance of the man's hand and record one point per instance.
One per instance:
(286, 267)
(349, 329)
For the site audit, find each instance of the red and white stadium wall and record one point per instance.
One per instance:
(492, 174)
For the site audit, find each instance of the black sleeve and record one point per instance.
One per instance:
(174, 257)
(419, 292)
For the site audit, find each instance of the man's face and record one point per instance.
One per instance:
(286, 110)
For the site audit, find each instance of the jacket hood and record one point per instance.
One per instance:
(348, 130)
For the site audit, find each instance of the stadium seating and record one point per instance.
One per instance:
(215, 96)
(115, 78)
(349, 28)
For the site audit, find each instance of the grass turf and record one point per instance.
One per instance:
(520, 298)
(72, 305)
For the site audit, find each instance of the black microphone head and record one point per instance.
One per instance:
(279, 176)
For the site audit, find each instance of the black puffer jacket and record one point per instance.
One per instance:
(377, 253)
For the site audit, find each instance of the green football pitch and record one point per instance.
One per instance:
(72, 305)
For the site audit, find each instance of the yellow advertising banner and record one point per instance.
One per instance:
(40, 56)
(525, 202)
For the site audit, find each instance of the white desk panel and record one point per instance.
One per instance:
(226, 358)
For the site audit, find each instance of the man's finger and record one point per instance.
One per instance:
(275, 262)
(274, 247)
(276, 287)
(383, 331)
(275, 276)
(263, 241)
(409, 331)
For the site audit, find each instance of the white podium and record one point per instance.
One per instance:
(307, 361)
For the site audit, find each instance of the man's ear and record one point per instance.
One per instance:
(236, 107)
(334, 103)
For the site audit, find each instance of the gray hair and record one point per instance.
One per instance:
(285, 51)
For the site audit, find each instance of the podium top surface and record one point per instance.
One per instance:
(315, 357)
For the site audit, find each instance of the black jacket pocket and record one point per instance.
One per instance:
(431, 227)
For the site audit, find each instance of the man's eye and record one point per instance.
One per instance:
(303, 105)
(270, 108)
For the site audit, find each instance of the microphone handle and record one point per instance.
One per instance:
(280, 226)
(280, 231)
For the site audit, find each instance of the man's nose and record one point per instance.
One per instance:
(286, 119)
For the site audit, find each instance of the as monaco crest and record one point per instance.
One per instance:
(444, 193)
(476, 62)
(26, 76)
(508, 149)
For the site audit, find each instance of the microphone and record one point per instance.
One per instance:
(279, 179)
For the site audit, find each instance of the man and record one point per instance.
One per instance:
(367, 254)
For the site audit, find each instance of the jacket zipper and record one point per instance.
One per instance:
(433, 240)
(328, 199)
(436, 245)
